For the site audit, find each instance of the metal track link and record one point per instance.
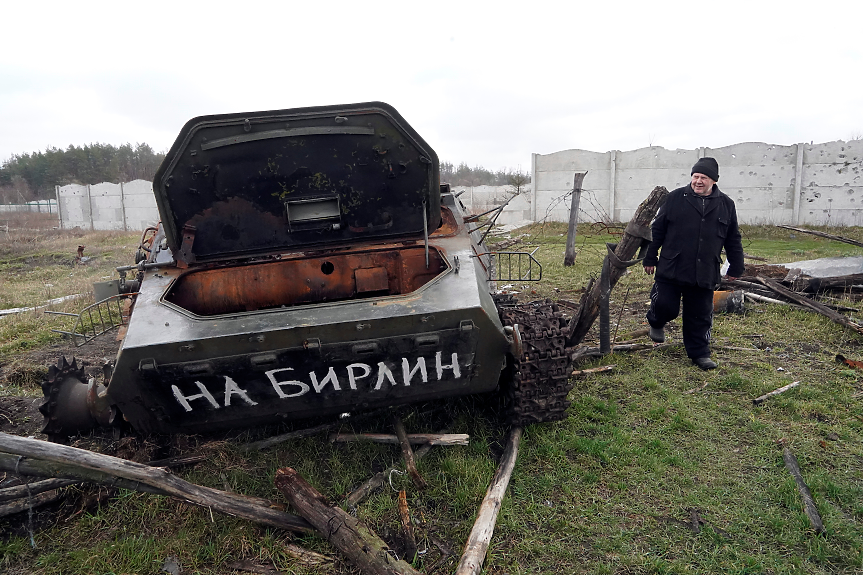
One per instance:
(540, 378)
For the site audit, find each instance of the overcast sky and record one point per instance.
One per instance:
(487, 83)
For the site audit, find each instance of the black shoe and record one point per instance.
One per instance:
(704, 363)
(657, 334)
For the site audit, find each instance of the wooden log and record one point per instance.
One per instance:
(632, 239)
(30, 489)
(30, 502)
(814, 285)
(378, 479)
(761, 399)
(823, 235)
(348, 534)
(569, 253)
(408, 454)
(483, 528)
(252, 508)
(809, 506)
(413, 438)
(407, 526)
(813, 305)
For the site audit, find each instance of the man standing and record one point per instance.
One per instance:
(691, 229)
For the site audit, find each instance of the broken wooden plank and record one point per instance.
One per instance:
(761, 399)
(483, 528)
(413, 438)
(70, 459)
(823, 235)
(408, 454)
(814, 305)
(809, 506)
(569, 252)
(348, 534)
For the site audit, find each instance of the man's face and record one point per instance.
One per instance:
(701, 184)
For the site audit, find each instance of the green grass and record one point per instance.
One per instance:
(611, 489)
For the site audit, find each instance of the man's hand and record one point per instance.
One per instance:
(649, 270)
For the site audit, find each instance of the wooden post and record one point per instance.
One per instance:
(348, 534)
(483, 528)
(577, 180)
(636, 231)
(90, 208)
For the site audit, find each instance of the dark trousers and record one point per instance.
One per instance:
(697, 314)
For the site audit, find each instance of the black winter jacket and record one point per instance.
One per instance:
(692, 230)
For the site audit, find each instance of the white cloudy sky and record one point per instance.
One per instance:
(483, 82)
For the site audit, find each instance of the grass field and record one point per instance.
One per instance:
(659, 467)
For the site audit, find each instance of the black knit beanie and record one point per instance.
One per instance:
(707, 166)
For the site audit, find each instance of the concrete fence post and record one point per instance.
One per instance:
(59, 209)
(90, 207)
(535, 191)
(123, 207)
(798, 186)
(612, 178)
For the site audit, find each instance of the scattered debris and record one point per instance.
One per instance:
(809, 506)
(761, 399)
(823, 235)
(594, 370)
(849, 362)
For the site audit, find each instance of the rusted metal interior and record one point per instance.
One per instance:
(334, 277)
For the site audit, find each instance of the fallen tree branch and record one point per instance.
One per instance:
(809, 506)
(30, 502)
(348, 534)
(823, 235)
(407, 526)
(276, 439)
(30, 489)
(413, 438)
(480, 536)
(761, 399)
(593, 370)
(814, 305)
(408, 453)
(111, 469)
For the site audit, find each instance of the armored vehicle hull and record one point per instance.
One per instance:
(307, 263)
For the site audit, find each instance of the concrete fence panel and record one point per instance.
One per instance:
(761, 178)
(106, 206)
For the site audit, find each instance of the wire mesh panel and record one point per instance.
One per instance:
(95, 319)
(515, 266)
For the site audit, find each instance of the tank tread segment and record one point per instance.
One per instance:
(539, 382)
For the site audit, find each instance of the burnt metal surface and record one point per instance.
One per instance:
(239, 184)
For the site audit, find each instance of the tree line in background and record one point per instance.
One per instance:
(27, 177)
(464, 175)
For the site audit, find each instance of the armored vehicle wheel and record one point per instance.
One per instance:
(536, 383)
(71, 403)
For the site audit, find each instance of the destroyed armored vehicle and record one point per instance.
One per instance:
(309, 262)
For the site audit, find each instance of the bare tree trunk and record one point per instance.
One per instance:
(348, 534)
(637, 231)
(483, 528)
